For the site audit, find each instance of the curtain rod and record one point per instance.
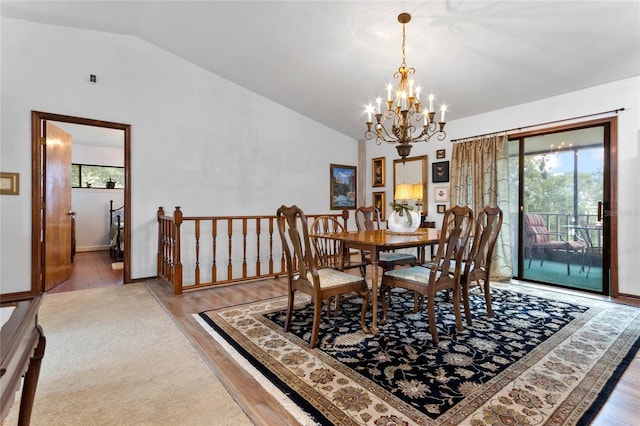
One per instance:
(519, 129)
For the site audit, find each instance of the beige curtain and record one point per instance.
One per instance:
(480, 177)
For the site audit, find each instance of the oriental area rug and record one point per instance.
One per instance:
(544, 358)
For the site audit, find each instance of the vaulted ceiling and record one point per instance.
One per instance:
(328, 59)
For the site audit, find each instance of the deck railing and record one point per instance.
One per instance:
(563, 222)
(197, 252)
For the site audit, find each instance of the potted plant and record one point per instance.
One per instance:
(111, 184)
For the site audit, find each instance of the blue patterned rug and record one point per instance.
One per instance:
(544, 357)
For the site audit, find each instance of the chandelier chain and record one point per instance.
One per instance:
(404, 58)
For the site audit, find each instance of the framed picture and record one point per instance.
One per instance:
(441, 153)
(9, 183)
(343, 189)
(440, 172)
(441, 194)
(378, 172)
(441, 208)
(379, 203)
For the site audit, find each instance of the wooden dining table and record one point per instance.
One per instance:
(377, 241)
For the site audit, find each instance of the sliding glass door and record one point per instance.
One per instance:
(559, 186)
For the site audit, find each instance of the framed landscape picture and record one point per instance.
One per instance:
(343, 187)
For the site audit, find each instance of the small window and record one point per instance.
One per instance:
(91, 176)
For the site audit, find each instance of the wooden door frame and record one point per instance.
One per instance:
(38, 174)
(610, 207)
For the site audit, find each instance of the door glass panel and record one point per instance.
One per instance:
(562, 183)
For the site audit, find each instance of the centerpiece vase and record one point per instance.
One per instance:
(397, 223)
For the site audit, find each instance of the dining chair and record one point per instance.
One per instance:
(539, 238)
(368, 218)
(477, 266)
(306, 274)
(441, 274)
(328, 252)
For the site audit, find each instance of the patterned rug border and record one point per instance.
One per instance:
(622, 352)
(296, 405)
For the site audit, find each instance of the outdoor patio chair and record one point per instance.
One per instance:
(538, 238)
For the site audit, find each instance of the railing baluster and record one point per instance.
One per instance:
(244, 248)
(214, 237)
(197, 237)
(271, 246)
(258, 230)
(230, 233)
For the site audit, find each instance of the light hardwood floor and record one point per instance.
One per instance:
(622, 408)
(90, 269)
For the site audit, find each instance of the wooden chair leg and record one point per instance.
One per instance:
(418, 301)
(315, 328)
(465, 301)
(287, 321)
(383, 301)
(431, 308)
(487, 295)
(456, 309)
(365, 305)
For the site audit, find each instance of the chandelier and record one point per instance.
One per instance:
(405, 120)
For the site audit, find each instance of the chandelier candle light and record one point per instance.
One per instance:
(397, 125)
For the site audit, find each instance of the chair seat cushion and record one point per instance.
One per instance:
(332, 278)
(396, 257)
(418, 274)
(561, 245)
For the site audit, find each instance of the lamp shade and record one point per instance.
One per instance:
(416, 190)
(404, 191)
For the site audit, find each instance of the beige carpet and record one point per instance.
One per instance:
(114, 357)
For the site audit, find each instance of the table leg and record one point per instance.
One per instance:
(374, 294)
(31, 381)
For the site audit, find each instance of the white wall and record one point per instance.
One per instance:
(620, 94)
(92, 216)
(92, 204)
(198, 141)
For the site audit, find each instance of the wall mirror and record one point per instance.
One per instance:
(412, 171)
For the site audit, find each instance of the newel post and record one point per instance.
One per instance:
(159, 259)
(177, 272)
(345, 217)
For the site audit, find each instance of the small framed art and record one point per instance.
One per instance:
(343, 187)
(9, 183)
(441, 194)
(378, 171)
(441, 208)
(379, 203)
(441, 153)
(440, 172)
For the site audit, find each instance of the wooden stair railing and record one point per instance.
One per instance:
(191, 257)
